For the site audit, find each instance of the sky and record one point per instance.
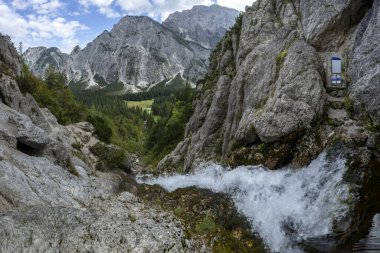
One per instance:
(65, 24)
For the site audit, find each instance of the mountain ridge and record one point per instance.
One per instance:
(138, 52)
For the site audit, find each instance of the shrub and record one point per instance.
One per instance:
(207, 225)
(111, 158)
(280, 59)
(77, 145)
(102, 128)
(132, 217)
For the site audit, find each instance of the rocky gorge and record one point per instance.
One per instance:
(275, 157)
(268, 100)
(53, 197)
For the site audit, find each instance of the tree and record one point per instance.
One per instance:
(20, 48)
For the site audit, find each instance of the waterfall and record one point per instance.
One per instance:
(285, 206)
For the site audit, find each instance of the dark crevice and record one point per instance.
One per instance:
(28, 150)
(2, 98)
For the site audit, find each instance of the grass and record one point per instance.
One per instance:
(132, 217)
(146, 105)
(280, 59)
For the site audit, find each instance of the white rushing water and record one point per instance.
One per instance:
(284, 206)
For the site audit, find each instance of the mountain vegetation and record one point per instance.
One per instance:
(131, 128)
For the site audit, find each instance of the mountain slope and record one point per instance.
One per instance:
(202, 24)
(138, 52)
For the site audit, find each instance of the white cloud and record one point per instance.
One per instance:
(134, 6)
(35, 30)
(39, 6)
(104, 7)
(162, 8)
(158, 9)
(236, 4)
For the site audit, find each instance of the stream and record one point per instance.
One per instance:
(286, 207)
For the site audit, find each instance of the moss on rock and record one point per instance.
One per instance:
(209, 217)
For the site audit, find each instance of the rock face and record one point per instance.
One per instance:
(266, 84)
(51, 200)
(364, 68)
(40, 58)
(139, 52)
(203, 25)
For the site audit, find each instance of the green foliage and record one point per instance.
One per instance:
(53, 94)
(132, 128)
(102, 127)
(5, 69)
(77, 145)
(206, 225)
(72, 169)
(280, 59)
(168, 131)
(261, 147)
(132, 217)
(55, 80)
(163, 106)
(348, 104)
(111, 158)
(128, 125)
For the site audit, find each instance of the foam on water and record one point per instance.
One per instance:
(284, 206)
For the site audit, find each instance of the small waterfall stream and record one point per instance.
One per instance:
(287, 206)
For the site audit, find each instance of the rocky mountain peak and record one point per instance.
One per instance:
(138, 52)
(202, 24)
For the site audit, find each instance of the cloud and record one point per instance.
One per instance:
(157, 9)
(46, 7)
(104, 7)
(36, 29)
(236, 4)
(162, 8)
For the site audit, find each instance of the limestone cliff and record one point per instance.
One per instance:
(204, 25)
(267, 98)
(52, 201)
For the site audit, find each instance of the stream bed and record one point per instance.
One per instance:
(287, 207)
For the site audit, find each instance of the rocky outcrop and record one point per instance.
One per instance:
(274, 100)
(139, 52)
(204, 25)
(51, 199)
(364, 67)
(10, 61)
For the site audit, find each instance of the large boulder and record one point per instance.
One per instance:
(326, 23)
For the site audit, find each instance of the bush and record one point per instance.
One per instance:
(111, 158)
(52, 94)
(102, 128)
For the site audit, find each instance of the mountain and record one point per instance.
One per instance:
(138, 52)
(202, 24)
(267, 98)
